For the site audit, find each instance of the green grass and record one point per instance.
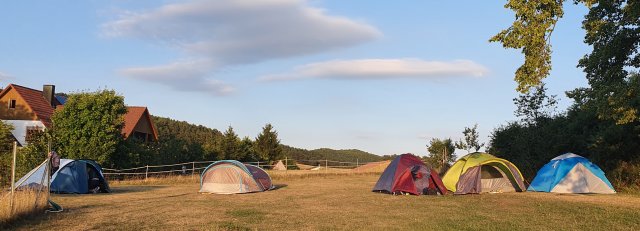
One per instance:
(331, 202)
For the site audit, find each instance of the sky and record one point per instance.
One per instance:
(380, 76)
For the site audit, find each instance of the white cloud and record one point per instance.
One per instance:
(183, 76)
(381, 69)
(240, 31)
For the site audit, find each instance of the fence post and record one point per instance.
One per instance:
(357, 164)
(258, 164)
(286, 163)
(193, 168)
(13, 176)
(146, 173)
(326, 165)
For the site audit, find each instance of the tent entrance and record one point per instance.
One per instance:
(95, 182)
(492, 179)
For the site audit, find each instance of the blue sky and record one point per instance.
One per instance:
(380, 76)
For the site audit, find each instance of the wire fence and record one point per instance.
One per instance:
(196, 167)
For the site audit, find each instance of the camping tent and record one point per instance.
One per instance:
(230, 176)
(73, 176)
(408, 174)
(279, 166)
(571, 173)
(482, 172)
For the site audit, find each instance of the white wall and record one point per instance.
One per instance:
(20, 128)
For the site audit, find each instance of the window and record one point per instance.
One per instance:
(12, 103)
(140, 136)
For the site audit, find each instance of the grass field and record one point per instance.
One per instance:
(329, 202)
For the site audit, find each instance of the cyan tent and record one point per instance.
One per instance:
(571, 173)
(73, 176)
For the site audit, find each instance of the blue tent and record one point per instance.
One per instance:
(73, 176)
(571, 173)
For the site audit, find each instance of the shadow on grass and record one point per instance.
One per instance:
(135, 188)
(278, 186)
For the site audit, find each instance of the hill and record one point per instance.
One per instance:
(180, 141)
(345, 155)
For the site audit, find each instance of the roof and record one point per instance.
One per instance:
(134, 114)
(35, 101)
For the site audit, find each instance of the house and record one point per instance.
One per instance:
(138, 124)
(30, 111)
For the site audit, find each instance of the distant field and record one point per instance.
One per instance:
(329, 202)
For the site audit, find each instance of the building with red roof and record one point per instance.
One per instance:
(29, 110)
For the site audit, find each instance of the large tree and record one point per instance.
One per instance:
(267, 145)
(612, 29)
(90, 127)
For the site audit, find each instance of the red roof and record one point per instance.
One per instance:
(35, 101)
(133, 116)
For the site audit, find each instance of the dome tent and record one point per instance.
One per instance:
(571, 173)
(482, 172)
(230, 177)
(408, 174)
(73, 176)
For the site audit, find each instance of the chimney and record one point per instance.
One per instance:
(49, 93)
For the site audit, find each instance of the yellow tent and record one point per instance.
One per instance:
(482, 172)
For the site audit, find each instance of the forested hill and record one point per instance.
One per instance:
(181, 141)
(346, 155)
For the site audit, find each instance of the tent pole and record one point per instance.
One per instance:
(13, 176)
(49, 170)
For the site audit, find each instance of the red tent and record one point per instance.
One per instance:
(408, 174)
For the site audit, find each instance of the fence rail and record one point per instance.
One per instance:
(195, 167)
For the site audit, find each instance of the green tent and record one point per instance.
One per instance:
(482, 172)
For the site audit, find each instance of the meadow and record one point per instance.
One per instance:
(306, 200)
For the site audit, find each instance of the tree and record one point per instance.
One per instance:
(441, 152)
(612, 31)
(6, 155)
(267, 144)
(536, 104)
(471, 139)
(89, 127)
(246, 150)
(230, 146)
(531, 32)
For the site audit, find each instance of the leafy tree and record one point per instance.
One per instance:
(471, 139)
(267, 144)
(441, 152)
(6, 155)
(531, 32)
(33, 154)
(90, 125)
(604, 122)
(612, 31)
(534, 105)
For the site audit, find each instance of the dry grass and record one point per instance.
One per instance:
(26, 203)
(331, 202)
(379, 166)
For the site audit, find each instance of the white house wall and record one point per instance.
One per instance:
(20, 128)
